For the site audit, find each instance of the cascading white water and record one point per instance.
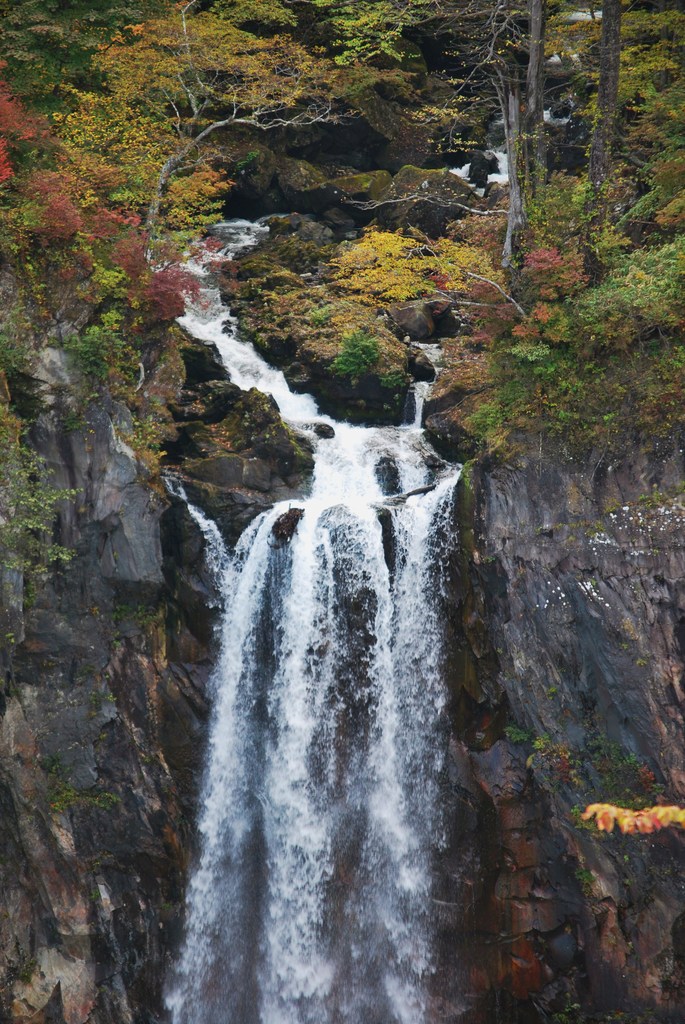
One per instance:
(321, 811)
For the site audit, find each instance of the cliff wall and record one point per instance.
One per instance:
(569, 688)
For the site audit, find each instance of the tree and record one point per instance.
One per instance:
(603, 135)
(200, 74)
(500, 50)
(48, 44)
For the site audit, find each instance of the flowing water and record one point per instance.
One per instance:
(321, 811)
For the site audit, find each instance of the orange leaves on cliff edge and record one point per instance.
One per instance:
(649, 819)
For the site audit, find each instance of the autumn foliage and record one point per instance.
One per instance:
(17, 126)
(649, 819)
(6, 170)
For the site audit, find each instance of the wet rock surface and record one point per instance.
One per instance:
(102, 713)
(231, 447)
(569, 678)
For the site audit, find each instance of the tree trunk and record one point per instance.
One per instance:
(510, 103)
(163, 180)
(536, 144)
(603, 136)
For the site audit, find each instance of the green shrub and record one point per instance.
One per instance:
(28, 505)
(321, 316)
(516, 734)
(13, 356)
(359, 354)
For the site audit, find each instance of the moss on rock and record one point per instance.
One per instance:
(306, 334)
(459, 392)
(424, 199)
(367, 186)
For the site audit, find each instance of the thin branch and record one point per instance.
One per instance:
(509, 298)
(374, 204)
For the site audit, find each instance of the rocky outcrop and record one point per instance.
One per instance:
(337, 349)
(102, 705)
(459, 391)
(424, 199)
(569, 679)
(103, 701)
(237, 466)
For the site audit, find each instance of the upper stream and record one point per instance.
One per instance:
(311, 901)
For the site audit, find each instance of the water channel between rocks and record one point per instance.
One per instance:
(320, 819)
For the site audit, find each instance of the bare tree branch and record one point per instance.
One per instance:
(424, 197)
(493, 284)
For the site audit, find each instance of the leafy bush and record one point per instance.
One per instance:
(13, 356)
(321, 316)
(642, 297)
(27, 504)
(359, 354)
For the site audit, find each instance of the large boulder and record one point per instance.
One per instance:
(304, 186)
(414, 319)
(253, 170)
(424, 199)
(357, 193)
(420, 366)
(404, 139)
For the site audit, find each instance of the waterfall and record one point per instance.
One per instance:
(321, 810)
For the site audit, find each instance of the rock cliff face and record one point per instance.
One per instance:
(102, 703)
(567, 614)
(103, 700)
(569, 687)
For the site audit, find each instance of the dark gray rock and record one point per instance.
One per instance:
(572, 613)
(388, 475)
(414, 319)
(420, 366)
(481, 167)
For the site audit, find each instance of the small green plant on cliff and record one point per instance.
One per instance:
(24, 966)
(569, 1015)
(360, 352)
(28, 504)
(13, 354)
(320, 316)
(395, 380)
(516, 734)
(586, 880)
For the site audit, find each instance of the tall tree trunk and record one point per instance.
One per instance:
(510, 103)
(603, 136)
(536, 143)
(170, 166)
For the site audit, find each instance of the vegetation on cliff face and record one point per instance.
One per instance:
(125, 127)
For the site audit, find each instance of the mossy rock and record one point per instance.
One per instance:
(432, 198)
(363, 187)
(380, 114)
(304, 185)
(250, 447)
(305, 335)
(274, 280)
(254, 169)
(285, 250)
